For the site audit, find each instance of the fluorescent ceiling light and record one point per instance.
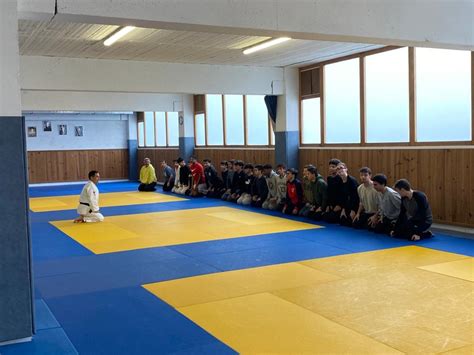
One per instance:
(266, 44)
(117, 35)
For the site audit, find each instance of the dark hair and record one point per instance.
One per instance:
(281, 166)
(206, 161)
(239, 163)
(192, 158)
(334, 161)
(365, 170)
(175, 161)
(248, 166)
(307, 167)
(224, 162)
(403, 184)
(293, 171)
(312, 170)
(381, 179)
(259, 167)
(267, 166)
(92, 173)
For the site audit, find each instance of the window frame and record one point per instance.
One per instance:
(141, 119)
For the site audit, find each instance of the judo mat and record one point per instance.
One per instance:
(129, 232)
(58, 203)
(385, 301)
(203, 276)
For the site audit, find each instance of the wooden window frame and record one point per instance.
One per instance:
(363, 124)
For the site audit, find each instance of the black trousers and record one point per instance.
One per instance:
(385, 226)
(407, 228)
(147, 187)
(363, 221)
(332, 216)
(257, 203)
(317, 216)
(168, 186)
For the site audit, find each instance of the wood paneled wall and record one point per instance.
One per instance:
(252, 156)
(156, 155)
(74, 165)
(445, 175)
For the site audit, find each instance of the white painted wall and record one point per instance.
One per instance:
(9, 55)
(288, 104)
(44, 100)
(101, 131)
(99, 75)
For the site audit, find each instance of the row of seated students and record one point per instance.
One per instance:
(399, 212)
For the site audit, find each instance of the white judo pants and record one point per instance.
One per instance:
(88, 216)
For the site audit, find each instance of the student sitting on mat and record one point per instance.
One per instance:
(169, 176)
(147, 176)
(307, 193)
(334, 207)
(184, 176)
(415, 217)
(389, 209)
(349, 196)
(260, 187)
(294, 193)
(238, 181)
(88, 208)
(198, 187)
(369, 201)
(319, 194)
(246, 196)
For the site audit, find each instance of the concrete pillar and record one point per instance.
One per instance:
(16, 296)
(186, 127)
(132, 148)
(287, 125)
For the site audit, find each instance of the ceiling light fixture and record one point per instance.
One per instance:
(266, 44)
(117, 35)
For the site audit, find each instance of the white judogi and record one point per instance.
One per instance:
(89, 203)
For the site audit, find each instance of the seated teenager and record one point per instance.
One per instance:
(307, 193)
(415, 217)
(198, 186)
(177, 179)
(213, 182)
(319, 194)
(349, 197)
(334, 207)
(271, 203)
(184, 175)
(228, 180)
(369, 198)
(147, 176)
(280, 181)
(389, 208)
(238, 181)
(169, 176)
(246, 195)
(294, 193)
(260, 187)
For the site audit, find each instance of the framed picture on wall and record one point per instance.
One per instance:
(47, 126)
(62, 129)
(79, 131)
(31, 131)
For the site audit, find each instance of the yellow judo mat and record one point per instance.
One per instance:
(393, 301)
(57, 203)
(120, 233)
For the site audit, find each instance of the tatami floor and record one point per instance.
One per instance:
(165, 274)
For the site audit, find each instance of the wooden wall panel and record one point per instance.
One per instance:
(252, 156)
(156, 155)
(445, 175)
(73, 165)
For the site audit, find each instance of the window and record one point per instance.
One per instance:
(173, 128)
(149, 129)
(234, 119)
(342, 102)
(160, 126)
(215, 126)
(387, 97)
(311, 121)
(257, 120)
(200, 127)
(443, 95)
(141, 134)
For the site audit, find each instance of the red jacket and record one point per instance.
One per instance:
(197, 171)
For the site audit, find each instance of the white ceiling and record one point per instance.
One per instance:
(77, 40)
